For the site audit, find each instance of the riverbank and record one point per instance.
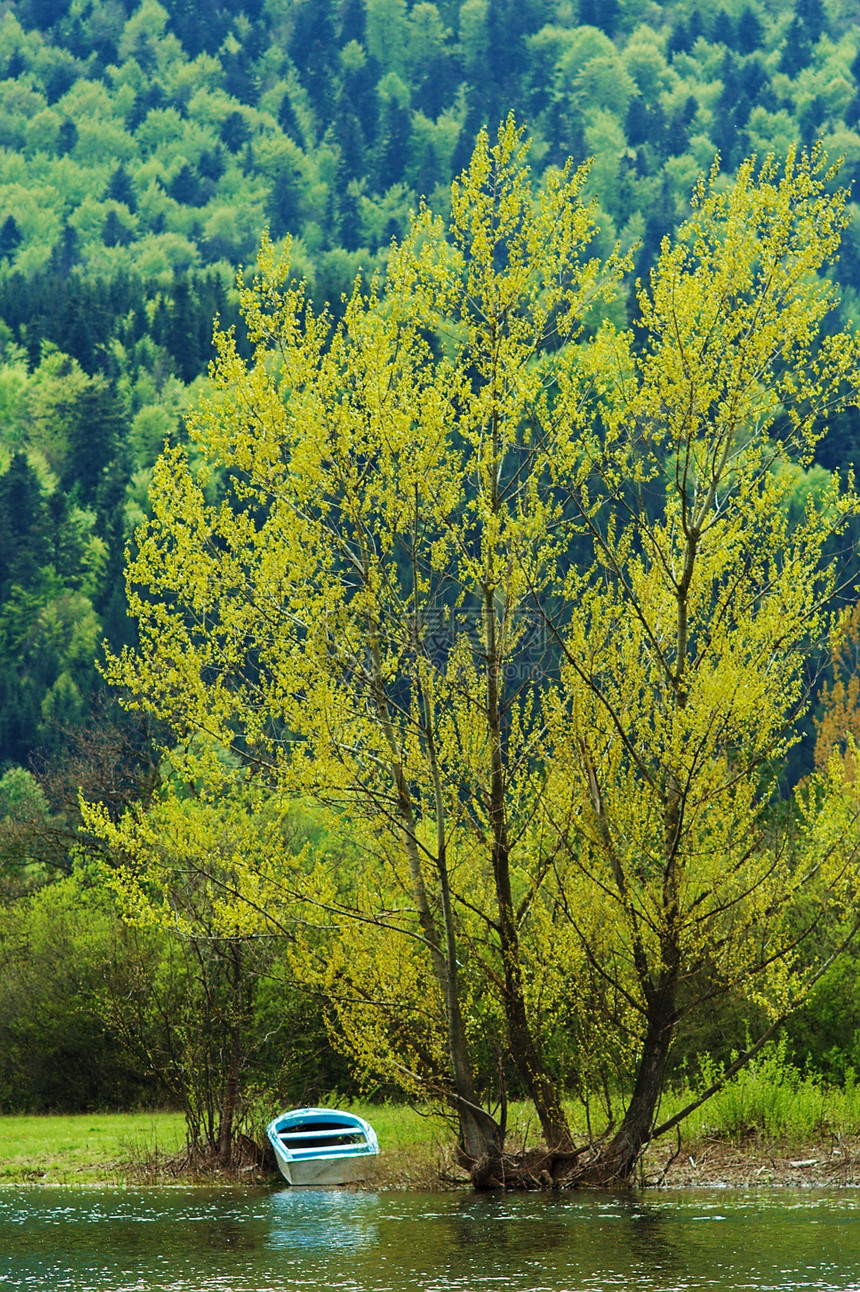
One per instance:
(148, 1148)
(126, 1149)
(714, 1163)
(756, 1162)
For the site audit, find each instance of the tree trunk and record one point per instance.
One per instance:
(229, 1102)
(480, 1149)
(481, 1145)
(525, 1049)
(617, 1161)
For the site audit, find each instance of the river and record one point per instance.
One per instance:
(191, 1240)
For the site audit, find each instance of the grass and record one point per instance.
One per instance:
(89, 1148)
(414, 1145)
(774, 1099)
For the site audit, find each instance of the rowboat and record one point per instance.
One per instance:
(323, 1146)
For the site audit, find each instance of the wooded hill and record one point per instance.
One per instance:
(143, 150)
(154, 140)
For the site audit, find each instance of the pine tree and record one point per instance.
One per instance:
(10, 238)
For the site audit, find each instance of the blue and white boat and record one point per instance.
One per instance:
(323, 1146)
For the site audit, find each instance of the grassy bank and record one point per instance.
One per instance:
(88, 1148)
(771, 1123)
(125, 1148)
(773, 1099)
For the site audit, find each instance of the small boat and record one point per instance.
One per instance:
(323, 1146)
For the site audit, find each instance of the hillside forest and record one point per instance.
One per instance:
(145, 151)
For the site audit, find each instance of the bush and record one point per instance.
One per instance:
(56, 1051)
(771, 1097)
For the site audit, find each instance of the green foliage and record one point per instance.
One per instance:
(73, 442)
(774, 1099)
(217, 1017)
(825, 1034)
(23, 811)
(20, 791)
(168, 110)
(99, 1011)
(56, 1052)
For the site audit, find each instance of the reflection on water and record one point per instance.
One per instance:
(188, 1240)
(322, 1220)
(654, 1242)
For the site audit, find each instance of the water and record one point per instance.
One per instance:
(188, 1240)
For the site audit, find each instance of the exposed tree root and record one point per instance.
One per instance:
(592, 1166)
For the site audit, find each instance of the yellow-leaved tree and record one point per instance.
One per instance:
(519, 602)
(356, 613)
(686, 651)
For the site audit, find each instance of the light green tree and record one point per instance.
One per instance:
(402, 510)
(183, 870)
(525, 608)
(388, 32)
(685, 656)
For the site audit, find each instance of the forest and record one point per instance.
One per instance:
(146, 151)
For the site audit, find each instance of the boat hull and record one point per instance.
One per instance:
(323, 1146)
(321, 1171)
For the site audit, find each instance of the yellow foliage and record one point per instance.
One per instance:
(684, 651)
(525, 608)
